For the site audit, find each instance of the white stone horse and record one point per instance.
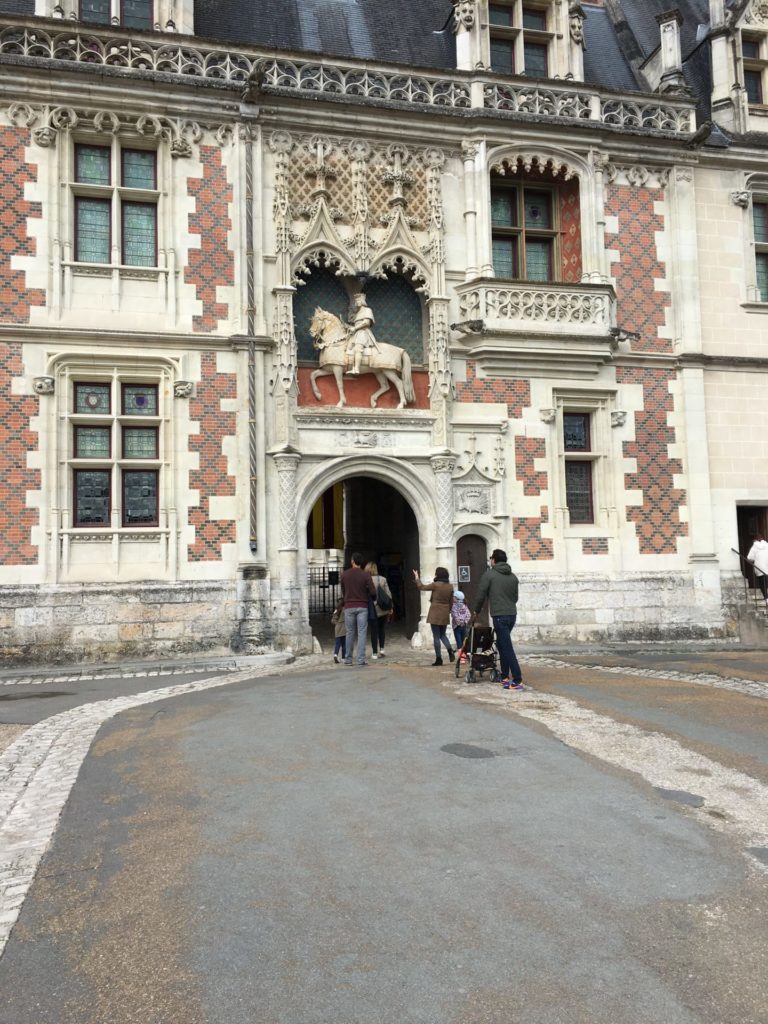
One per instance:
(388, 362)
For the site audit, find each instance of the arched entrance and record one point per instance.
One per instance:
(363, 514)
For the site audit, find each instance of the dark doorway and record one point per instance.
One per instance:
(471, 563)
(369, 516)
(751, 520)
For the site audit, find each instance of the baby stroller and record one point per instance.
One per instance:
(477, 655)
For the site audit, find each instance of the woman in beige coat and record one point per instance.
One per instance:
(439, 611)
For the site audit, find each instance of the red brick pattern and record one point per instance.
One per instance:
(526, 450)
(213, 264)
(640, 307)
(16, 440)
(15, 298)
(212, 479)
(658, 518)
(527, 530)
(570, 232)
(594, 546)
(515, 393)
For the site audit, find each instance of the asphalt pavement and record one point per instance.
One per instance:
(389, 846)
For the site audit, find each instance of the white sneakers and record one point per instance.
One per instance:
(374, 657)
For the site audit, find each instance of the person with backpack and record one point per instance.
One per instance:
(460, 618)
(381, 607)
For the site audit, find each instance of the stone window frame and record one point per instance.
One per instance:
(118, 196)
(518, 36)
(598, 405)
(70, 368)
(755, 65)
(755, 192)
(519, 186)
(167, 15)
(116, 15)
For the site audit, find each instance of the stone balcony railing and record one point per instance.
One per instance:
(542, 307)
(537, 327)
(32, 41)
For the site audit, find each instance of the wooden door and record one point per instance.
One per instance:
(471, 563)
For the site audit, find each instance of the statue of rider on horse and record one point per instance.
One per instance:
(361, 337)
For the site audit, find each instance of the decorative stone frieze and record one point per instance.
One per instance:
(589, 306)
(366, 439)
(637, 175)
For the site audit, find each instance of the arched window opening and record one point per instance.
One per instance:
(324, 289)
(398, 311)
(536, 225)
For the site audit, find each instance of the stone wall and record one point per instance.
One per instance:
(72, 623)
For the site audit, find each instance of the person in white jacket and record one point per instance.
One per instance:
(758, 556)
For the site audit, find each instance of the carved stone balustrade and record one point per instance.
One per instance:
(540, 328)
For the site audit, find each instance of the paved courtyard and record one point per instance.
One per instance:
(304, 843)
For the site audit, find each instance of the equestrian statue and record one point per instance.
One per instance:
(354, 350)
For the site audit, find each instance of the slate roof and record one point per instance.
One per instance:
(398, 30)
(604, 61)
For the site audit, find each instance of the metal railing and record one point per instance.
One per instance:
(759, 596)
(323, 589)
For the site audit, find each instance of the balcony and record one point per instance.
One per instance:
(537, 329)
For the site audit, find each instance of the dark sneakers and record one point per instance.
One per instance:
(437, 661)
(451, 655)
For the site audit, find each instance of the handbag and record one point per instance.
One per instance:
(383, 600)
(372, 616)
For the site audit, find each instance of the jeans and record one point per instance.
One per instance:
(356, 621)
(459, 633)
(510, 667)
(438, 637)
(378, 630)
(340, 647)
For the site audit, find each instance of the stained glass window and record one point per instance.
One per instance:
(93, 398)
(578, 491)
(140, 497)
(760, 218)
(538, 259)
(139, 169)
(92, 230)
(92, 442)
(139, 400)
(762, 275)
(97, 11)
(535, 59)
(534, 19)
(139, 443)
(505, 257)
(576, 432)
(504, 207)
(92, 165)
(137, 13)
(538, 210)
(139, 234)
(92, 497)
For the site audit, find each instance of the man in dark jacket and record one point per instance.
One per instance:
(499, 586)
(356, 587)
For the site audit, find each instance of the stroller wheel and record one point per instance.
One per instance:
(494, 677)
(469, 677)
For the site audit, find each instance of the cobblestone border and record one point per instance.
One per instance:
(115, 673)
(38, 770)
(750, 687)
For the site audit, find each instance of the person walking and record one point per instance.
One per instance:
(499, 586)
(378, 624)
(460, 618)
(356, 588)
(439, 610)
(758, 556)
(339, 632)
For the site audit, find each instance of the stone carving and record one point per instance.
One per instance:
(44, 385)
(637, 176)
(530, 162)
(543, 102)
(548, 415)
(576, 23)
(344, 351)
(758, 12)
(741, 198)
(181, 149)
(366, 439)
(472, 500)
(45, 136)
(463, 14)
(183, 389)
(618, 418)
(443, 466)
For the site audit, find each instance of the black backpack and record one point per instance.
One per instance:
(383, 600)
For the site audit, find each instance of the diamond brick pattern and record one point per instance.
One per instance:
(526, 450)
(640, 307)
(213, 264)
(16, 440)
(658, 518)
(594, 546)
(570, 232)
(516, 394)
(15, 298)
(212, 479)
(527, 530)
